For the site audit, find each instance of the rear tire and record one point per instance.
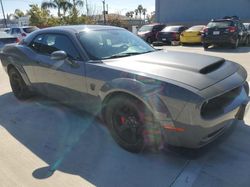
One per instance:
(19, 88)
(236, 44)
(247, 41)
(127, 119)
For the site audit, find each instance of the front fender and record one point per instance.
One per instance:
(146, 93)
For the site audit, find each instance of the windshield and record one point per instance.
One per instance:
(104, 44)
(196, 28)
(146, 28)
(220, 24)
(171, 29)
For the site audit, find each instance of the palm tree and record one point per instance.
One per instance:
(66, 6)
(75, 4)
(57, 4)
(127, 14)
(131, 14)
(136, 12)
(140, 8)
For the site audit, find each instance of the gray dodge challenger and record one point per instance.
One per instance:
(147, 97)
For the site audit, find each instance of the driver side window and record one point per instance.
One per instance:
(59, 42)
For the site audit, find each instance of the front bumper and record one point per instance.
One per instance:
(197, 131)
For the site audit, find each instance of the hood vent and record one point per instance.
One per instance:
(212, 67)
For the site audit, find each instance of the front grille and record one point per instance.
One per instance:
(215, 107)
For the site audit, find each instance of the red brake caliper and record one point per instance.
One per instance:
(122, 118)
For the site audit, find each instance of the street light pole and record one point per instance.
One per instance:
(5, 22)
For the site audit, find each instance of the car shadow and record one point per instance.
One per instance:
(225, 49)
(77, 143)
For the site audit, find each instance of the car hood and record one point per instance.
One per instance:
(195, 70)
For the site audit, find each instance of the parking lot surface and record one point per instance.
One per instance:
(40, 135)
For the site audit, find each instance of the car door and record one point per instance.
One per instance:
(62, 80)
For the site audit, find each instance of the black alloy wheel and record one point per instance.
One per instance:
(19, 88)
(125, 117)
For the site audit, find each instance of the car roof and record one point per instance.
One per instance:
(154, 24)
(220, 20)
(79, 28)
(176, 26)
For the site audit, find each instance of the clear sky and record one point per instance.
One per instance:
(115, 6)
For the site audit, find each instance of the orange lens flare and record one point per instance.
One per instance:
(171, 128)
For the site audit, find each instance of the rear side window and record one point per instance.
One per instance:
(29, 29)
(220, 24)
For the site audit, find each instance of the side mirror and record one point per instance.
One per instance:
(59, 55)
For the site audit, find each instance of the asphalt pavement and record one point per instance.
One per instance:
(44, 143)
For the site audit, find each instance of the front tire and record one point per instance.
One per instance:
(19, 88)
(127, 119)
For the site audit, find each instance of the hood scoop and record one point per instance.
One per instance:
(212, 67)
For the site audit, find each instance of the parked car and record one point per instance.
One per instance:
(5, 30)
(228, 31)
(6, 38)
(149, 32)
(192, 35)
(22, 32)
(170, 34)
(147, 97)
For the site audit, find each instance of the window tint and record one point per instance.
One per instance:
(15, 31)
(37, 43)
(146, 28)
(57, 42)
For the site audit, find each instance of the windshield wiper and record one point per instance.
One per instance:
(120, 55)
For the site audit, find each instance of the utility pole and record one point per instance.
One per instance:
(104, 13)
(5, 22)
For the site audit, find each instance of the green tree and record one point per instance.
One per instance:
(130, 14)
(38, 16)
(17, 14)
(75, 5)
